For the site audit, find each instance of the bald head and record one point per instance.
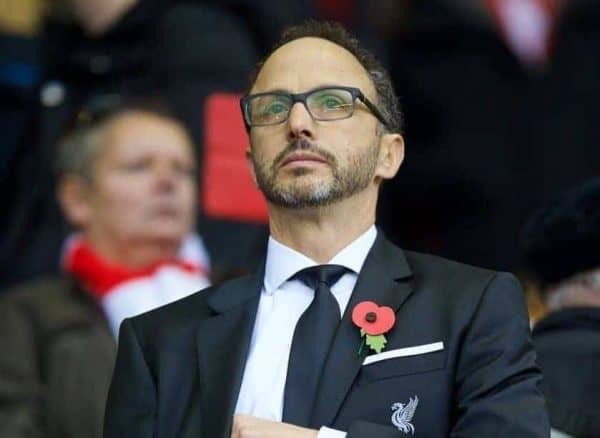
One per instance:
(310, 62)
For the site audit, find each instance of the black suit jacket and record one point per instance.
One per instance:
(568, 346)
(179, 368)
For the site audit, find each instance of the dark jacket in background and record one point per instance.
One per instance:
(56, 361)
(487, 141)
(568, 347)
(563, 130)
(19, 75)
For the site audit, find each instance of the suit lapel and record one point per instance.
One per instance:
(383, 279)
(223, 342)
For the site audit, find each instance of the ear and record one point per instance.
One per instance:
(251, 164)
(391, 155)
(73, 196)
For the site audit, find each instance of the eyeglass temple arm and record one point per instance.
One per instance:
(374, 110)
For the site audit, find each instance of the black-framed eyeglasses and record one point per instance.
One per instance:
(324, 104)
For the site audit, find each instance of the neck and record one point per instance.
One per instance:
(135, 255)
(97, 16)
(321, 232)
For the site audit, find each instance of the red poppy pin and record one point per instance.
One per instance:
(373, 321)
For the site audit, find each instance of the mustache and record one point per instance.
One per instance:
(302, 144)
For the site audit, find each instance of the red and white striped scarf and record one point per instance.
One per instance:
(123, 292)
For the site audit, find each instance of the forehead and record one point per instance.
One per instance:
(307, 63)
(137, 132)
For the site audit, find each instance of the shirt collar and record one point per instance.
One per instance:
(283, 262)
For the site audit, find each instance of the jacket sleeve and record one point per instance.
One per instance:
(497, 379)
(21, 389)
(367, 429)
(131, 405)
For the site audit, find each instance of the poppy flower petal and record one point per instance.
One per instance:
(360, 311)
(383, 321)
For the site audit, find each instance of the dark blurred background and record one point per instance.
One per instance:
(499, 97)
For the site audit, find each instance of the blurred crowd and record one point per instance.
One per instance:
(99, 222)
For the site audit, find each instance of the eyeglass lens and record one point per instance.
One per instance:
(324, 104)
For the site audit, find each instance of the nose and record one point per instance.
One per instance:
(300, 122)
(165, 179)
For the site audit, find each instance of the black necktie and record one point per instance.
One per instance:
(312, 340)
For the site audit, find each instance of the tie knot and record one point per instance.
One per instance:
(328, 274)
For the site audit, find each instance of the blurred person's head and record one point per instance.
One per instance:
(126, 181)
(562, 245)
(306, 155)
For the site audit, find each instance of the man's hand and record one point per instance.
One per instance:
(245, 426)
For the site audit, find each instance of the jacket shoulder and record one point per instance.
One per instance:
(51, 303)
(456, 285)
(182, 314)
(428, 266)
(40, 289)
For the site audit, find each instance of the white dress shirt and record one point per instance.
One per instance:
(282, 302)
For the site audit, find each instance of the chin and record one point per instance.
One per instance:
(309, 171)
(303, 176)
(166, 234)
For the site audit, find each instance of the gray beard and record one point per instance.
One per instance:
(344, 182)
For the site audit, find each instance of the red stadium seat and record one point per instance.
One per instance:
(228, 190)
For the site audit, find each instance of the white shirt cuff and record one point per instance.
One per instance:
(325, 432)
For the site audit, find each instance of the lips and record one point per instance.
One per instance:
(302, 158)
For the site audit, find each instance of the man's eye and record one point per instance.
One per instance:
(275, 108)
(185, 169)
(331, 102)
(135, 166)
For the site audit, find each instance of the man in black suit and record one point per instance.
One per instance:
(281, 353)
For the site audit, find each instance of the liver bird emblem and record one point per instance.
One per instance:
(402, 416)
